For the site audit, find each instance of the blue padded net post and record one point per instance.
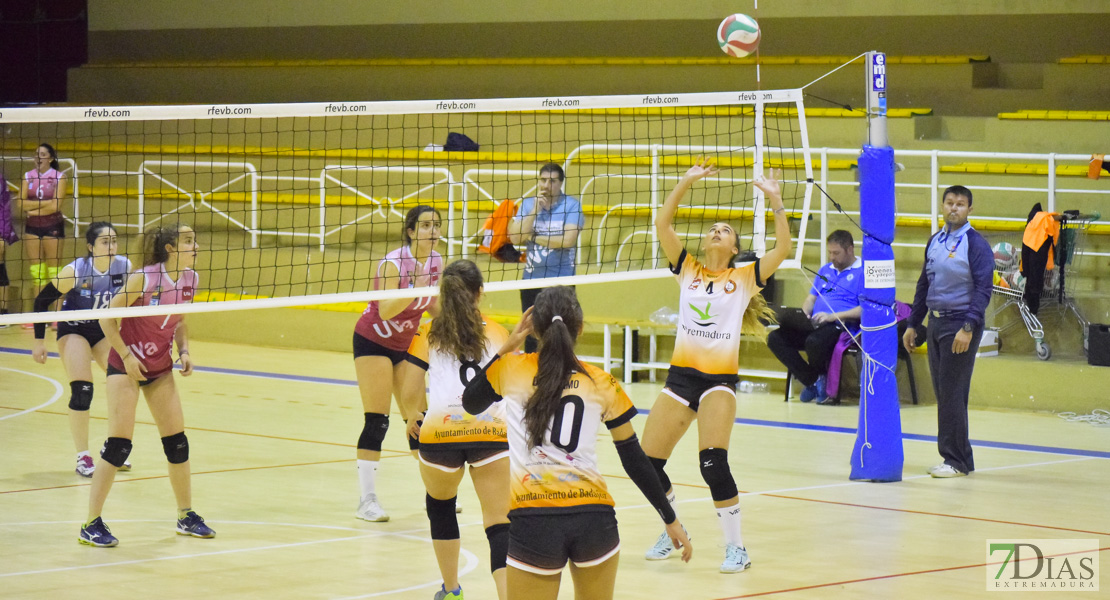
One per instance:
(877, 455)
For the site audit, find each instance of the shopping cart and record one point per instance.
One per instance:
(1057, 294)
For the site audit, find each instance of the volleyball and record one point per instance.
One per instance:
(1018, 282)
(738, 35)
(1005, 259)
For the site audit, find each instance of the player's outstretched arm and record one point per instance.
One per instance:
(664, 219)
(772, 191)
(643, 474)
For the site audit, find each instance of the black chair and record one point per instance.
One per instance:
(855, 352)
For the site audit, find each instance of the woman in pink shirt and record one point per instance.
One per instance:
(381, 342)
(43, 189)
(140, 359)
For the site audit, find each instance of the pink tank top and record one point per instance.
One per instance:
(150, 338)
(42, 186)
(397, 333)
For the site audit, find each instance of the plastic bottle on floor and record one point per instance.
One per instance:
(752, 387)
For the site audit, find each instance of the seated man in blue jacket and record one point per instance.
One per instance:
(832, 304)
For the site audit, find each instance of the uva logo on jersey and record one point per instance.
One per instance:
(695, 283)
(143, 349)
(392, 326)
(187, 293)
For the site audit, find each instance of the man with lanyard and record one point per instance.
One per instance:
(955, 289)
(832, 304)
(550, 222)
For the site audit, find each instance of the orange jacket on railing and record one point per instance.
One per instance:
(495, 234)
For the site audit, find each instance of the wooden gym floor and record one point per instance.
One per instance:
(272, 434)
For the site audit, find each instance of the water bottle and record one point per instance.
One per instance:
(751, 387)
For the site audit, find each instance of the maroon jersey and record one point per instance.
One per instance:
(149, 338)
(397, 333)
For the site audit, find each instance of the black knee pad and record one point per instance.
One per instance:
(498, 536)
(441, 514)
(4, 281)
(115, 451)
(80, 395)
(373, 432)
(176, 447)
(716, 473)
(659, 463)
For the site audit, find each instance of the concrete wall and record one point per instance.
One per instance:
(263, 29)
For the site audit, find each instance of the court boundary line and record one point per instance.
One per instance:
(916, 437)
(58, 391)
(471, 558)
(778, 493)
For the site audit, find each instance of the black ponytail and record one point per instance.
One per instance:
(53, 156)
(557, 320)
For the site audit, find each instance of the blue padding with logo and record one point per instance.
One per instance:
(877, 454)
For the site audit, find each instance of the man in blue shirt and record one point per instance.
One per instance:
(955, 289)
(550, 222)
(832, 304)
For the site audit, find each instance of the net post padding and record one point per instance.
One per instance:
(877, 454)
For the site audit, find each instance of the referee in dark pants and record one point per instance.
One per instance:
(954, 289)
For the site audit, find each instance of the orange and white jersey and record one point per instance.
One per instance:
(710, 314)
(446, 422)
(562, 472)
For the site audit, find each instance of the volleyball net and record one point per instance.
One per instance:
(296, 204)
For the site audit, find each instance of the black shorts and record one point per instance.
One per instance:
(90, 330)
(57, 230)
(365, 347)
(114, 371)
(452, 459)
(542, 543)
(689, 389)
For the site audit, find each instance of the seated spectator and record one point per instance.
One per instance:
(832, 304)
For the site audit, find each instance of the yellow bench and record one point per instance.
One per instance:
(1057, 115)
(1014, 169)
(1086, 59)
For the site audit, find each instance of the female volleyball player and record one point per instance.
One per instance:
(560, 506)
(8, 236)
(716, 302)
(140, 359)
(381, 342)
(88, 282)
(452, 349)
(40, 200)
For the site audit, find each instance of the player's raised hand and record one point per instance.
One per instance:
(703, 167)
(522, 330)
(770, 184)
